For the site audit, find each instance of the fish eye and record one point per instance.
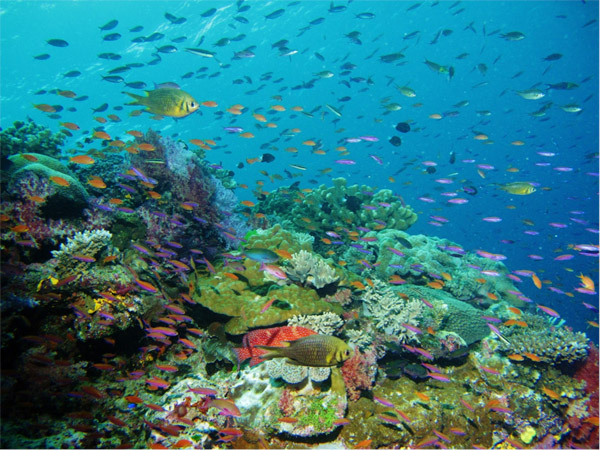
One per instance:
(193, 104)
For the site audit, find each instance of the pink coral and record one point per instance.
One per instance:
(286, 403)
(359, 373)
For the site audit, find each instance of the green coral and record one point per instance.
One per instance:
(550, 343)
(29, 137)
(338, 206)
(453, 315)
(72, 197)
(244, 298)
(411, 256)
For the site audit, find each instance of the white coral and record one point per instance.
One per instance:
(326, 323)
(389, 311)
(87, 243)
(309, 268)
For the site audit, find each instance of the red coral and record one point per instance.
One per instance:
(359, 373)
(584, 434)
(286, 403)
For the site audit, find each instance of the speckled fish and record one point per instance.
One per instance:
(166, 102)
(316, 350)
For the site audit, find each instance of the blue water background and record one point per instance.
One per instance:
(549, 27)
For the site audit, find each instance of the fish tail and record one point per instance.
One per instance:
(272, 352)
(138, 98)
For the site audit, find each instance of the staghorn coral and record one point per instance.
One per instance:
(551, 344)
(309, 268)
(326, 323)
(87, 244)
(388, 311)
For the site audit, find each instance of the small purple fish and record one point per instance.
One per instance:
(346, 162)
(377, 159)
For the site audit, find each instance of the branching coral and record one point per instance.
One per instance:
(549, 343)
(72, 256)
(389, 311)
(326, 323)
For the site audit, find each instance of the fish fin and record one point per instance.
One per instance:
(272, 352)
(136, 97)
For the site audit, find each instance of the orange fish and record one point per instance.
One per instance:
(37, 199)
(283, 253)
(29, 157)
(100, 119)
(60, 181)
(532, 357)
(259, 117)
(115, 201)
(102, 135)
(358, 285)
(514, 310)
(97, 182)
(210, 104)
(364, 444)
(492, 296)
(437, 284)
(593, 420)
(232, 276)
(198, 142)
(536, 281)
(117, 143)
(287, 419)
(247, 203)
(515, 357)
(45, 108)
(114, 117)
(70, 125)
(246, 135)
(20, 228)
(550, 393)
(422, 396)
(82, 159)
(135, 133)
(146, 147)
(309, 142)
(67, 94)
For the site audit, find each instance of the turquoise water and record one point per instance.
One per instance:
(549, 27)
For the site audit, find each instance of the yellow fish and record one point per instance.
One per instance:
(316, 350)
(166, 102)
(518, 188)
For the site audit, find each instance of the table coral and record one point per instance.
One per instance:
(243, 301)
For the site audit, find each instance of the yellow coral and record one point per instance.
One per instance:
(527, 435)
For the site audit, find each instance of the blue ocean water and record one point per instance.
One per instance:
(559, 155)
(486, 77)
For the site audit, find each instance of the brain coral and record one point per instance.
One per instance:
(457, 316)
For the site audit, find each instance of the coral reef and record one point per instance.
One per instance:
(79, 251)
(310, 269)
(326, 323)
(389, 312)
(549, 343)
(294, 374)
(328, 208)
